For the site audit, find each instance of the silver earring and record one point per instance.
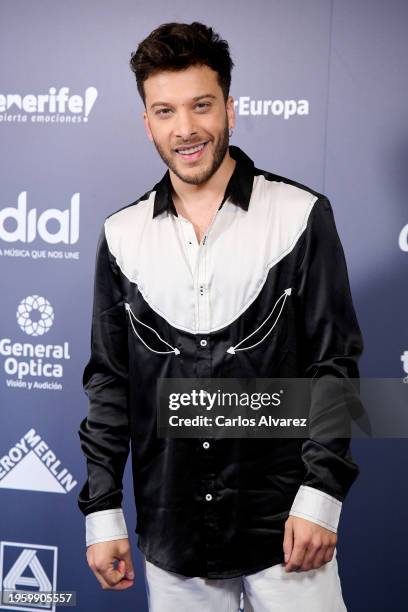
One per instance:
(230, 132)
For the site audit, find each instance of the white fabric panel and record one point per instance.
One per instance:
(269, 590)
(317, 506)
(150, 252)
(105, 525)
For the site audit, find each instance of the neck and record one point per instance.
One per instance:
(195, 195)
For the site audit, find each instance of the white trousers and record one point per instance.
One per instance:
(270, 590)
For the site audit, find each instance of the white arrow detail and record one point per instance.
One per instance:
(233, 349)
(131, 314)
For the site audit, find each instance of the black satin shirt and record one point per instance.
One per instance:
(214, 508)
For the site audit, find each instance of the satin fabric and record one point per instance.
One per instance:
(253, 481)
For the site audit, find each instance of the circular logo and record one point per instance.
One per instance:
(35, 315)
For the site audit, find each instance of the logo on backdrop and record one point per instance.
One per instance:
(30, 365)
(403, 239)
(404, 359)
(30, 465)
(53, 107)
(35, 315)
(285, 109)
(30, 567)
(21, 226)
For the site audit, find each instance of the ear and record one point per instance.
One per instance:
(230, 112)
(147, 126)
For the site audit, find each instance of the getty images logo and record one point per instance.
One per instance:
(17, 224)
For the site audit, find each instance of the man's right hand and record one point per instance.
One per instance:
(101, 559)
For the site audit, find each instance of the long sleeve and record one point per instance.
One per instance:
(332, 344)
(104, 434)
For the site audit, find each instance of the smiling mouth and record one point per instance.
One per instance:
(192, 153)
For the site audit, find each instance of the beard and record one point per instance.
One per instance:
(202, 176)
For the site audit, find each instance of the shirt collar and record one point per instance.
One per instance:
(238, 189)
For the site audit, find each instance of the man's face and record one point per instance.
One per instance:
(185, 109)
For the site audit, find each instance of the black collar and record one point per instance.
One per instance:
(239, 187)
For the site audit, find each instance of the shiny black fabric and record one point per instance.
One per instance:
(253, 482)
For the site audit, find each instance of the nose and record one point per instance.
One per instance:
(184, 127)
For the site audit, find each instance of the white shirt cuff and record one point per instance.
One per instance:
(105, 525)
(316, 506)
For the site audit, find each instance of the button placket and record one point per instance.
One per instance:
(190, 243)
(202, 290)
(211, 519)
(211, 524)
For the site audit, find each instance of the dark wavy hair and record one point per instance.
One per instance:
(176, 46)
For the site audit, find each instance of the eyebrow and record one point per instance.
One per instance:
(195, 100)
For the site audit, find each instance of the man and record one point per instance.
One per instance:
(186, 279)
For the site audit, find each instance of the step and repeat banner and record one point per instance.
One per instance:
(320, 93)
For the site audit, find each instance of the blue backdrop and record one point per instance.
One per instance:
(333, 74)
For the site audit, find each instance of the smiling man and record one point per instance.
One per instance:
(191, 135)
(184, 277)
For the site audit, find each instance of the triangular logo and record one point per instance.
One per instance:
(30, 474)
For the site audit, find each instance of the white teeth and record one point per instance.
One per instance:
(192, 150)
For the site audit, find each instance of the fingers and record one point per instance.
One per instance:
(313, 545)
(329, 553)
(315, 553)
(294, 547)
(298, 553)
(129, 570)
(288, 541)
(113, 579)
(102, 558)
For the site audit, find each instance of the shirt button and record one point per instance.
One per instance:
(208, 497)
(203, 342)
(206, 444)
